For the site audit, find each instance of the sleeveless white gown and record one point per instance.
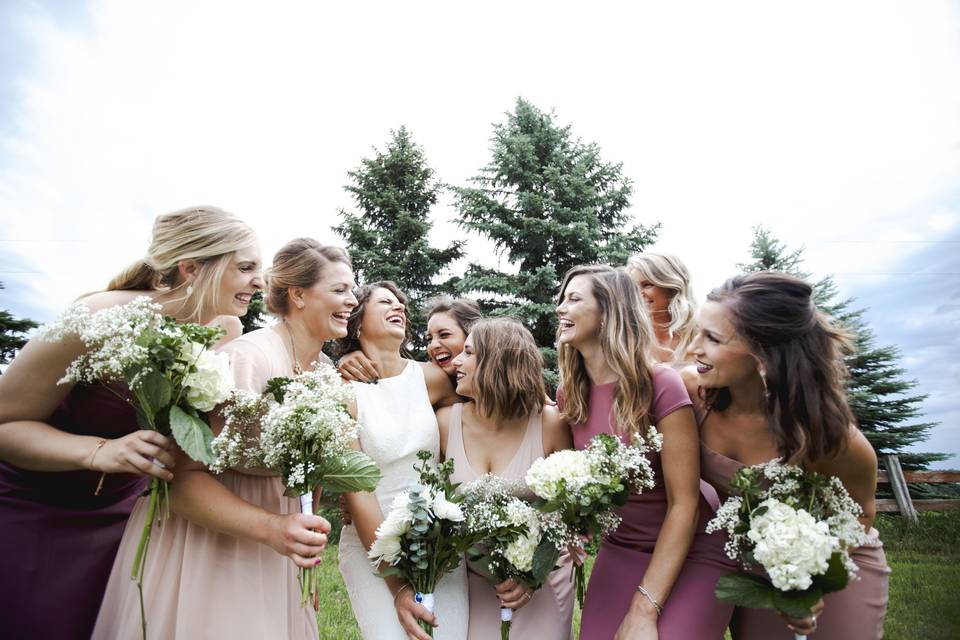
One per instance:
(396, 420)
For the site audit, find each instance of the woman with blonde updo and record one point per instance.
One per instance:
(665, 287)
(224, 564)
(72, 458)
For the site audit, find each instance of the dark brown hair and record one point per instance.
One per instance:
(351, 342)
(464, 310)
(509, 373)
(802, 357)
(299, 263)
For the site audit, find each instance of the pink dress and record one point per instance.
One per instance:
(549, 613)
(856, 613)
(691, 611)
(202, 584)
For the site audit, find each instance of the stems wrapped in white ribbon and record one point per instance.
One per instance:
(426, 599)
(306, 504)
(506, 620)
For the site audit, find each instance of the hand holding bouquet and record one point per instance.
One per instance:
(798, 526)
(513, 540)
(585, 487)
(171, 372)
(422, 538)
(305, 435)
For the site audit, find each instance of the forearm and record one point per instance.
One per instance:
(670, 552)
(366, 515)
(37, 446)
(200, 498)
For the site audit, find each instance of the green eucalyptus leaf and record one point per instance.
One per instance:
(192, 434)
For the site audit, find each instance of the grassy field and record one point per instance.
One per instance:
(923, 586)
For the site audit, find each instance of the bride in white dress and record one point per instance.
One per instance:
(397, 420)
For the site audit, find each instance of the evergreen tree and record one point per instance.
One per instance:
(879, 395)
(388, 237)
(548, 202)
(253, 319)
(11, 333)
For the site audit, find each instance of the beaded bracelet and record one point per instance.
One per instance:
(646, 594)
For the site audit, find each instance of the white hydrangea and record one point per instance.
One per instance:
(546, 475)
(212, 381)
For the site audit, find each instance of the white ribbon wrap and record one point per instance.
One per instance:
(426, 599)
(506, 614)
(306, 504)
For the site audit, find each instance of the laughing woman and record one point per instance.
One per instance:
(654, 576)
(665, 288)
(502, 430)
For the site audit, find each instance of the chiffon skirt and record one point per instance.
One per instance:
(203, 584)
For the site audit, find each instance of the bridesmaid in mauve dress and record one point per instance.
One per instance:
(59, 444)
(659, 557)
(224, 563)
(770, 370)
(502, 431)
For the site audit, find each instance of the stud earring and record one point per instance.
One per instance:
(190, 290)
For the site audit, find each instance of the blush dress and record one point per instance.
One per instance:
(202, 584)
(692, 610)
(58, 539)
(549, 613)
(856, 613)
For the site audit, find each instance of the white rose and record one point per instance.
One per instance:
(211, 383)
(446, 510)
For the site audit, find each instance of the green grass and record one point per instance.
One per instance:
(923, 586)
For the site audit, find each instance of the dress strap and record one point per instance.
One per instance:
(455, 448)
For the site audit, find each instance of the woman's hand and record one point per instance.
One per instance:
(409, 611)
(805, 626)
(640, 623)
(300, 536)
(142, 452)
(356, 367)
(512, 594)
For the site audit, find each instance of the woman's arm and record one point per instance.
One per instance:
(357, 367)
(556, 432)
(439, 386)
(856, 466)
(680, 459)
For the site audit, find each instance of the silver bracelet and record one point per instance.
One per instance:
(646, 594)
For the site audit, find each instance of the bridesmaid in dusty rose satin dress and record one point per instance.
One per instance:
(660, 556)
(224, 563)
(770, 369)
(502, 431)
(58, 536)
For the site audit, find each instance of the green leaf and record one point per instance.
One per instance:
(353, 471)
(544, 560)
(153, 392)
(836, 577)
(192, 434)
(745, 590)
(796, 604)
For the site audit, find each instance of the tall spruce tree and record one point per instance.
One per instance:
(12, 330)
(388, 237)
(253, 318)
(879, 395)
(548, 202)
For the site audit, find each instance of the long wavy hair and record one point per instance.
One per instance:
(509, 374)
(626, 340)
(801, 353)
(666, 271)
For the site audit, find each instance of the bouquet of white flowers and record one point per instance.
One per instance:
(513, 539)
(300, 428)
(422, 538)
(168, 368)
(798, 526)
(585, 487)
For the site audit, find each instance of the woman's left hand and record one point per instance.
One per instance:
(640, 623)
(805, 626)
(512, 594)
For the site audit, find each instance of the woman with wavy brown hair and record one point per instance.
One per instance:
(771, 377)
(654, 576)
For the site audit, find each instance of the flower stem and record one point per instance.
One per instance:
(140, 559)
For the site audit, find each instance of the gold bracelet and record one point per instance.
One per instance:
(103, 476)
(399, 591)
(646, 594)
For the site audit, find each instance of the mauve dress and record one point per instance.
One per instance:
(856, 613)
(57, 539)
(549, 613)
(691, 611)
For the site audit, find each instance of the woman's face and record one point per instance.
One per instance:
(445, 340)
(328, 303)
(241, 279)
(578, 313)
(656, 298)
(464, 366)
(384, 316)
(723, 356)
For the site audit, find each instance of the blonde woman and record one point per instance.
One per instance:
(502, 430)
(665, 287)
(224, 564)
(59, 534)
(654, 576)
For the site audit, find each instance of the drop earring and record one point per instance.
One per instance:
(190, 290)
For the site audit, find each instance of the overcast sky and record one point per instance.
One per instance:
(836, 124)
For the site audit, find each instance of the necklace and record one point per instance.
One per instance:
(297, 369)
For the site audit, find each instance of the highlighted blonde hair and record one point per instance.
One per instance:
(208, 235)
(508, 382)
(626, 340)
(299, 263)
(668, 272)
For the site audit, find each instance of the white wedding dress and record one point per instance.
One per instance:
(396, 421)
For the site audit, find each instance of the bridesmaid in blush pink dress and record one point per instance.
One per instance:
(769, 368)
(502, 430)
(655, 575)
